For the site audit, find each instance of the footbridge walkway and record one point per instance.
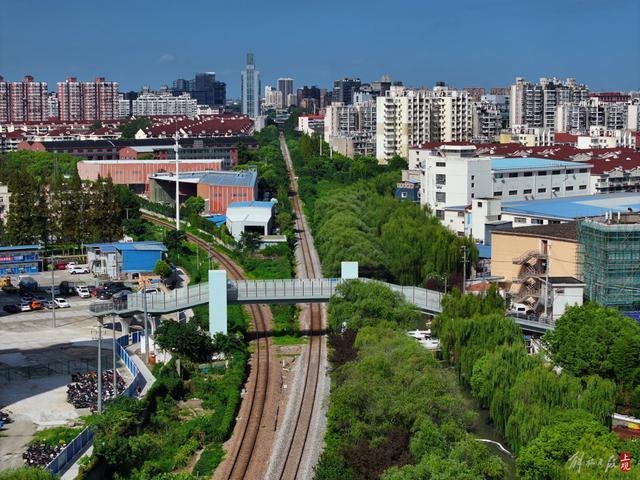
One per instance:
(318, 290)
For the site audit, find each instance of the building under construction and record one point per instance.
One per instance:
(610, 249)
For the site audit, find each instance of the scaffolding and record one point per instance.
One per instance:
(609, 247)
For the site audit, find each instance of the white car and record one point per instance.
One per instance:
(25, 306)
(62, 303)
(83, 292)
(78, 269)
(151, 290)
(70, 265)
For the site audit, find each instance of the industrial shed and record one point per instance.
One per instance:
(250, 216)
(123, 259)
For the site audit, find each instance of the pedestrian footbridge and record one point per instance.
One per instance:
(220, 292)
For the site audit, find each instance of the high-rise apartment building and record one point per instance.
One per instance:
(24, 101)
(204, 88)
(312, 98)
(351, 129)
(250, 88)
(406, 117)
(344, 89)
(285, 86)
(272, 98)
(89, 101)
(534, 105)
(163, 103)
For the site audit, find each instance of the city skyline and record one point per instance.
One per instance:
(421, 45)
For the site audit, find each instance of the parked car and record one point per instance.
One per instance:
(83, 291)
(48, 304)
(10, 289)
(41, 298)
(36, 304)
(61, 303)
(120, 294)
(12, 308)
(25, 306)
(76, 269)
(61, 266)
(70, 265)
(95, 291)
(104, 295)
(151, 290)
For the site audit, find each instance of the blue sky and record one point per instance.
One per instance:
(464, 43)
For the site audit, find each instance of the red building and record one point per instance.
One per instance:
(136, 173)
(24, 101)
(88, 101)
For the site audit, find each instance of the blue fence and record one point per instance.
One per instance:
(79, 445)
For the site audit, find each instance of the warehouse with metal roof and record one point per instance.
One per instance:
(250, 217)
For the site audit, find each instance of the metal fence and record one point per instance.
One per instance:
(52, 367)
(81, 443)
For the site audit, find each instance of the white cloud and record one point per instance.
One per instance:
(166, 58)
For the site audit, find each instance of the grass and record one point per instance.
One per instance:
(56, 435)
(289, 340)
(210, 458)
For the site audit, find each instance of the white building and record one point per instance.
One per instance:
(250, 217)
(407, 117)
(600, 137)
(163, 103)
(311, 124)
(453, 175)
(272, 98)
(350, 129)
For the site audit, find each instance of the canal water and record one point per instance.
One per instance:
(483, 428)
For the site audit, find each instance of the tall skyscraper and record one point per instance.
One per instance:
(204, 88)
(23, 101)
(96, 100)
(250, 88)
(344, 89)
(285, 86)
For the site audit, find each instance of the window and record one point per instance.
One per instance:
(440, 214)
(526, 191)
(499, 175)
(536, 221)
(473, 195)
(542, 190)
(528, 174)
(497, 194)
(473, 177)
(583, 170)
(441, 164)
(582, 187)
(403, 194)
(473, 185)
(555, 189)
(569, 171)
(441, 197)
(479, 204)
(441, 179)
(513, 175)
(513, 192)
(569, 188)
(542, 173)
(555, 172)
(519, 220)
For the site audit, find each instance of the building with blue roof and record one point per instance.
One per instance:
(20, 259)
(123, 259)
(217, 188)
(252, 216)
(456, 176)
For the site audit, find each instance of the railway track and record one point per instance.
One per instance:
(296, 445)
(239, 459)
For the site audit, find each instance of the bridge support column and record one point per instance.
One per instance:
(349, 270)
(217, 301)
(125, 324)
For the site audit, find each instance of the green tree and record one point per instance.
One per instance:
(27, 473)
(173, 240)
(104, 214)
(398, 163)
(130, 128)
(22, 227)
(249, 241)
(162, 268)
(194, 206)
(95, 126)
(185, 339)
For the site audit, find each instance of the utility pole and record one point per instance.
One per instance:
(115, 380)
(146, 325)
(209, 245)
(53, 292)
(464, 269)
(176, 148)
(99, 367)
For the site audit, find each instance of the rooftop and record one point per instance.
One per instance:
(564, 280)
(561, 231)
(253, 204)
(533, 163)
(15, 248)
(127, 246)
(242, 178)
(574, 207)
